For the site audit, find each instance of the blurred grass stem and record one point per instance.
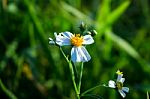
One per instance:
(7, 91)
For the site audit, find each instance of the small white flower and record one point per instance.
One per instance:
(119, 84)
(78, 51)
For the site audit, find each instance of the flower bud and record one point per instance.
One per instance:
(93, 33)
(82, 27)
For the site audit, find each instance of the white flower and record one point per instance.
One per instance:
(119, 84)
(78, 51)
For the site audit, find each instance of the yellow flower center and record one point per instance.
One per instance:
(119, 85)
(77, 40)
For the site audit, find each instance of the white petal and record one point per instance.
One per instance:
(122, 80)
(119, 77)
(125, 89)
(62, 40)
(85, 55)
(51, 41)
(67, 34)
(112, 84)
(87, 39)
(122, 93)
(75, 57)
(80, 54)
(55, 34)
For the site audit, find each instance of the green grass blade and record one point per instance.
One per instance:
(75, 12)
(124, 45)
(39, 28)
(112, 17)
(118, 12)
(7, 91)
(147, 95)
(104, 10)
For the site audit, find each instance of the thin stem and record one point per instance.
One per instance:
(81, 71)
(7, 91)
(147, 95)
(73, 78)
(76, 71)
(64, 54)
(91, 89)
(72, 73)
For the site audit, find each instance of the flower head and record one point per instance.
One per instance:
(76, 40)
(78, 51)
(119, 84)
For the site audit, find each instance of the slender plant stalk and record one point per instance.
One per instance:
(64, 54)
(147, 95)
(7, 91)
(73, 79)
(81, 70)
(91, 89)
(72, 73)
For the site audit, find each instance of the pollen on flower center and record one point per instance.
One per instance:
(77, 40)
(119, 85)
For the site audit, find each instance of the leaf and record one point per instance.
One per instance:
(104, 10)
(40, 30)
(118, 12)
(11, 49)
(124, 45)
(75, 12)
(111, 18)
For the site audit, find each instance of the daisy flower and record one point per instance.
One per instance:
(119, 84)
(78, 51)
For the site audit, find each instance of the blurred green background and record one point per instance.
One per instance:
(31, 68)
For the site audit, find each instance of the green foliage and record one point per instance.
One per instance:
(30, 67)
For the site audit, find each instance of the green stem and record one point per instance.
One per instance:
(76, 70)
(73, 78)
(147, 95)
(91, 89)
(81, 71)
(64, 54)
(7, 91)
(72, 73)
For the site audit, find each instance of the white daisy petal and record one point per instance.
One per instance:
(112, 84)
(125, 89)
(75, 56)
(55, 34)
(88, 39)
(119, 77)
(84, 54)
(62, 40)
(122, 93)
(79, 54)
(67, 34)
(122, 80)
(51, 41)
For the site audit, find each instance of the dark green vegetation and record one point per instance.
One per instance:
(31, 68)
